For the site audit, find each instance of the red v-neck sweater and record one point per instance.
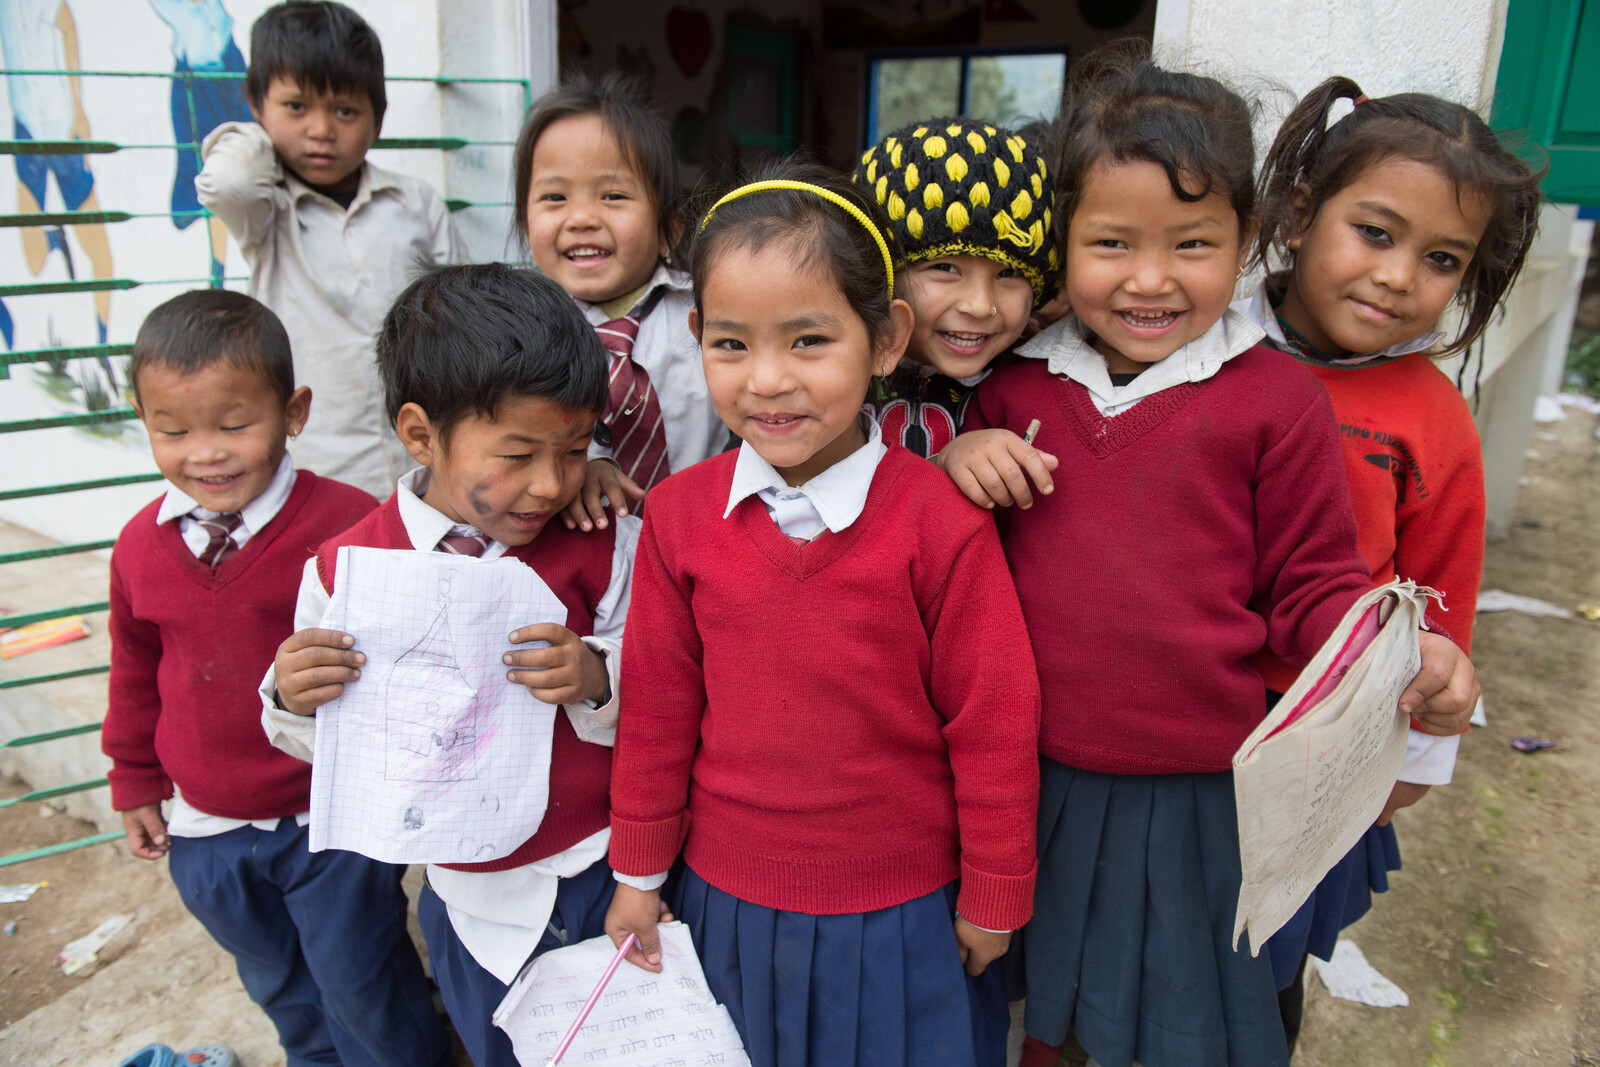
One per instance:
(577, 568)
(1205, 522)
(839, 726)
(1415, 467)
(189, 644)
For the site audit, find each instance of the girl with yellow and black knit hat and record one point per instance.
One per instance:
(970, 205)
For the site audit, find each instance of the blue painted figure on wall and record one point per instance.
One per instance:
(202, 43)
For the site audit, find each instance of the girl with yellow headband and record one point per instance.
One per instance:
(838, 708)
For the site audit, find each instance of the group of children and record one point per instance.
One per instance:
(895, 738)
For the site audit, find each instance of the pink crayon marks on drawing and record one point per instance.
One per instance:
(433, 728)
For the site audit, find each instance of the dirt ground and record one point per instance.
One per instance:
(1492, 928)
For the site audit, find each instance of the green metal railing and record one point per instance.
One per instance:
(110, 409)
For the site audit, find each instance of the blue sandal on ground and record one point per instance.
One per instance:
(152, 1055)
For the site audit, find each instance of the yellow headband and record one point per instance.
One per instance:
(826, 194)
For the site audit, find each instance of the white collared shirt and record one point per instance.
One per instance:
(830, 501)
(1068, 349)
(330, 273)
(1259, 310)
(670, 355)
(500, 916)
(185, 820)
(252, 517)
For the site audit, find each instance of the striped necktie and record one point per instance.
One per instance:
(219, 529)
(463, 541)
(633, 410)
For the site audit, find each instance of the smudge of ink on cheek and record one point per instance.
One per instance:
(475, 497)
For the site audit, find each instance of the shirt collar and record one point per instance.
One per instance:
(1258, 308)
(1067, 348)
(253, 516)
(838, 493)
(425, 524)
(373, 181)
(675, 280)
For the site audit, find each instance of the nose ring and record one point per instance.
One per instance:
(994, 310)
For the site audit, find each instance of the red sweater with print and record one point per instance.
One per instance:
(577, 568)
(1415, 467)
(839, 726)
(189, 644)
(1184, 534)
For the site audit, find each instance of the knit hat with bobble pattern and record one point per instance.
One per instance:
(957, 187)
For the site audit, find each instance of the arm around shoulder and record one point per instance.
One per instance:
(242, 181)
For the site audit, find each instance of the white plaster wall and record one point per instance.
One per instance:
(1450, 48)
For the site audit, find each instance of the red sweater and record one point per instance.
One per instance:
(189, 644)
(1184, 534)
(577, 568)
(838, 727)
(1415, 468)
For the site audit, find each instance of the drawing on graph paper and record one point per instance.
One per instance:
(433, 734)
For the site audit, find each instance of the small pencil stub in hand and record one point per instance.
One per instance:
(1033, 430)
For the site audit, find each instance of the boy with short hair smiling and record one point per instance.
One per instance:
(494, 382)
(330, 239)
(199, 601)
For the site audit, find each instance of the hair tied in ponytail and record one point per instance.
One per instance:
(1359, 100)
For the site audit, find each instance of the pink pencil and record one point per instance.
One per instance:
(594, 998)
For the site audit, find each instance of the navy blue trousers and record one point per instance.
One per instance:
(471, 994)
(321, 944)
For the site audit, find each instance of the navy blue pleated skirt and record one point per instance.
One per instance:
(1131, 942)
(875, 989)
(1343, 896)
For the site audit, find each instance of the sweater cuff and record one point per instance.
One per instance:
(646, 847)
(996, 901)
(137, 787)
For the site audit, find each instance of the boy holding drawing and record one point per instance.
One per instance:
(197, 606)
(493, 381)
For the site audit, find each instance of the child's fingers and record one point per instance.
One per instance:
(311, 699)
(970, 486)
(593, 512)
(629, 487)
(573, 513)
(305, 679)
(1037, 466)
(1445, 690)
(552, 632)
(993, 482)
(316, 638)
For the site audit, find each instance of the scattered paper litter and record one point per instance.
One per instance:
(16, 894)
(1581, 402)
(85, 950)
(1500, 600)
(1548, 409)
(1349, 976)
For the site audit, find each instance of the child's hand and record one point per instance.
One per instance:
(602, 479)
(1403, 795)
(636, 911)
(979, 948)
(564, 673)
(312, 667)
(147, 832)
(993, 467)
(1444, 692)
